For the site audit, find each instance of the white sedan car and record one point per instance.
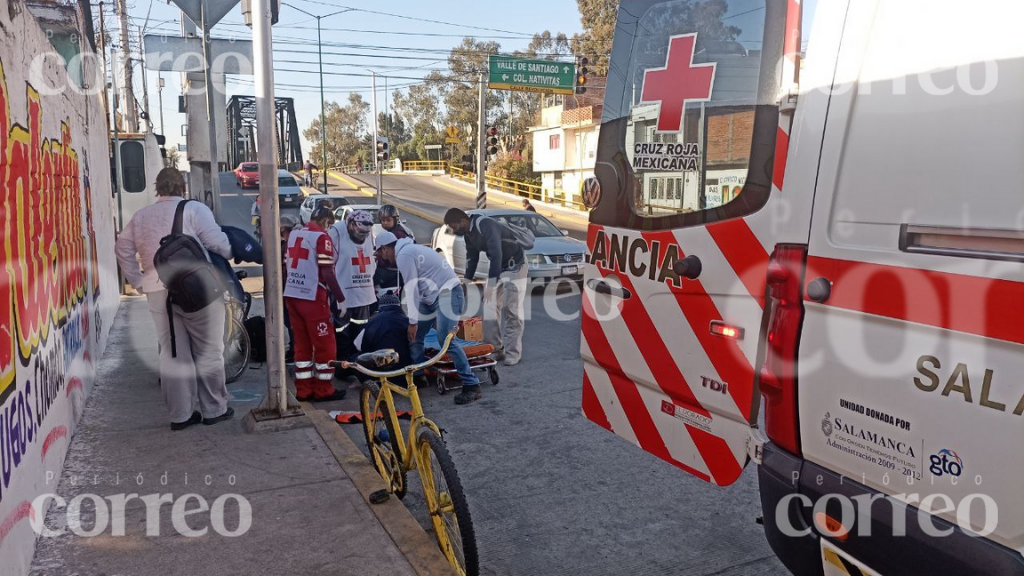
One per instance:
(314, 201)
(554, 254)
(373, 209)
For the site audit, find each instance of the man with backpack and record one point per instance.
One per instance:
(505, 290)
(172, 239)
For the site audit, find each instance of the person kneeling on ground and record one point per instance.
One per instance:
(310, 275)
(434, 298)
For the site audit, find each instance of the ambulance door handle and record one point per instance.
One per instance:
(602, 287)
(689, 267)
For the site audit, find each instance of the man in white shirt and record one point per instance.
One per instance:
(192, 380)
(434, 299)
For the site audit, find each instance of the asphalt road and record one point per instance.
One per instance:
(432, 195)
(550, 492)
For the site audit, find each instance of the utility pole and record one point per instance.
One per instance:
(481, 184)
(323, 112)
(211, 114)
(373, 87)
(145, 85)
(160, 98)
(278, 402)
(130, 114)
(103, 57)
(323, 109)
(118, 184)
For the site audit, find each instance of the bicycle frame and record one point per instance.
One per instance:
(388, 390)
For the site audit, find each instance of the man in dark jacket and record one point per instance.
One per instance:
(388, 328)
(505, 290)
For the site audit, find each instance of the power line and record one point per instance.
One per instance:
(415, 19)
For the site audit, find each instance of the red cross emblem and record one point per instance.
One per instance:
(361, 261)
(679, 82)
(296, 252)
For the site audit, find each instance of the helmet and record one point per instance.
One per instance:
(388, 211)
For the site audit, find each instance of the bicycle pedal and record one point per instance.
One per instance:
(380, 497)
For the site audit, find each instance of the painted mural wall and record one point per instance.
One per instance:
(58, 277)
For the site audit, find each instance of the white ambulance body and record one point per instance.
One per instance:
(855, 258)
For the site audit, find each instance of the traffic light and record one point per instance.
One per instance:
(492, 141)
(581, 74)
(383, 153)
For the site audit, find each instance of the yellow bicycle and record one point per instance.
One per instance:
(424, 451)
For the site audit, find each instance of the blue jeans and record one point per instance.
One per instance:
(436, 315)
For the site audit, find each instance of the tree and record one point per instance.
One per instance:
(706, 20)
(346, 128)
(173, 157)
(595, 42)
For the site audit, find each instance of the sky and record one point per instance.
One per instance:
(388, 45)
(412, 38)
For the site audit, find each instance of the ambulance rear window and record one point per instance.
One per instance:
(685, 84)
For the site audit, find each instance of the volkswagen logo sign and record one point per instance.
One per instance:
(567, 258)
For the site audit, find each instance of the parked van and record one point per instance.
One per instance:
(836, 289)
(142, 158)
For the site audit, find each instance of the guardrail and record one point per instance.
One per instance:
(424, 165)
(517, 188)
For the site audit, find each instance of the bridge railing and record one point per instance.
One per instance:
(424, 165)
(517, 188)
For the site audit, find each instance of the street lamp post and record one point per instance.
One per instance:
(323, 112)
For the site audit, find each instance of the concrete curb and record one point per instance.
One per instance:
(419, 548)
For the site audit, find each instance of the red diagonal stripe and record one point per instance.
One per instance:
(745, 254)
(592, 408)
(982, 306)
(781, 157)
(725, 354)
(655, 353)
(717, 455)
(626, 390)
(628, 394)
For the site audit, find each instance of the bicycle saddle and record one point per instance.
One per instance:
(378, 359)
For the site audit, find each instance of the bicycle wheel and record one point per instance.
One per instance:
(382, 439)
(237, 349)
(446, 502)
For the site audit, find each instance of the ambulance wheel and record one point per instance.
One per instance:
(382, 439)
(492, 372)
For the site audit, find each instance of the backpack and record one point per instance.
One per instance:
(192, 281)
(256, 326)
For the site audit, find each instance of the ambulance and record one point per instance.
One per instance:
(812, 259)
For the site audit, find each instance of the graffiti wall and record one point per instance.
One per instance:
(58, 279)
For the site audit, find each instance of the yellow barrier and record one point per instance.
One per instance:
(531, 191)
(424, 165)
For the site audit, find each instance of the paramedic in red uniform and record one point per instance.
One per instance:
(310, 274)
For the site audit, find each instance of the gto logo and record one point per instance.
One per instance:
(946, 462)
(714, 385)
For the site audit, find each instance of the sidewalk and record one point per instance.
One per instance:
(307, 487)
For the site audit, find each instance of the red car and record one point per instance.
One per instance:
(247, 175)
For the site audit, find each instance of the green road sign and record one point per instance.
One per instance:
(510, 73)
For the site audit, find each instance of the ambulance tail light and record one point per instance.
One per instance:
(785, 309)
